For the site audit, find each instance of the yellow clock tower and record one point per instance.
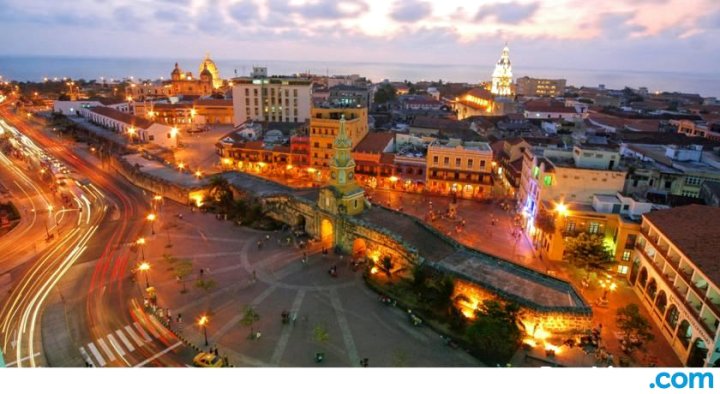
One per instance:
(343, 194)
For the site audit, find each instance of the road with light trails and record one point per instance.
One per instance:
(97, 316)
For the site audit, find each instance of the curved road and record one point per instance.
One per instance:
(103, 320)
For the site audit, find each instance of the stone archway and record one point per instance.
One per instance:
(684, 333)
(300, 222)
(327, 232)
(672, 316)
(661, 302)
(652, 289)
(698, 354)
(359, 247)
(642, 278)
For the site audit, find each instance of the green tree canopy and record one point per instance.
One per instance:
(249, 318)
(385, 94)
(633, 324)
(495, 333)
(587, 250)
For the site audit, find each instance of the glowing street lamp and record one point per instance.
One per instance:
(562, 209)
(203, 322)
(141, 243)
(198, 174)
(181, 166)
(151, 218)
(144, 266)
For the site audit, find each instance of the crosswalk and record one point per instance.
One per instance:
(116, 345)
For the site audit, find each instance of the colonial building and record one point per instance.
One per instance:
(135, 128)
(374, 157)
(554, 110)
(560, 176)
(208, 64)
(271, 99)
(325, 126)
(540, 87)
(462, 170)
(677, 277)
(475, 102)
(502, 75)
(184, 83)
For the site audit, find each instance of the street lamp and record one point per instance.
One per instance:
(203, 322)
(141, 242)
(198, 174)
(145, 267)
(157, 199)
(151, 218)
(562, 209)
(607, 285)
(181, 166)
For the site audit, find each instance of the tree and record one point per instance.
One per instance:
(387, 265)
(249, 318)
(587, 251)
(545, 222)
(220, 193)
(182, 268)
(495, 333)
(633, 324)
(384, 94)
(206, 284)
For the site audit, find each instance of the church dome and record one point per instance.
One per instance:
(208, 64)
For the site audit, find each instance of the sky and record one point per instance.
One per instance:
(653, 35)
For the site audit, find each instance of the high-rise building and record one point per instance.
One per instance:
(273, 99)
(502, 75)
(325, 125)
(540, 87)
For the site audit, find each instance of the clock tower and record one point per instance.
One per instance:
(343, 194)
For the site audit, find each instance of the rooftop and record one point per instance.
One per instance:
(694, 230)
(123, 117)
(374, 142)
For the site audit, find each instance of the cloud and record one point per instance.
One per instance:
(322, 9)
(244, 11)
(619, 25)
(410, 11)
(507, 12)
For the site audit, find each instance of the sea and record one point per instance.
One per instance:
(35, 68)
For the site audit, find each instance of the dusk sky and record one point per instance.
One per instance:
(658, 35)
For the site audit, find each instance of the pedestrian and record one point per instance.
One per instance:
(216, 351)
(254, 276)
(202, 272)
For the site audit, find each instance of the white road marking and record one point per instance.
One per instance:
(21, 360)
(142, 332)
(287, 329)
(157, 355)
(124, 340)
(86, 356)
(134, 336)
(96, 353)
(344, 328)
(116, 345)
(106, 349)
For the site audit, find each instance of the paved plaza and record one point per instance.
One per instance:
(273, 279)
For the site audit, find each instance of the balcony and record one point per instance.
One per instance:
(662, 251)
(691, 309)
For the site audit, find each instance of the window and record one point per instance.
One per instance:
(594, 227)
(470, 163)
(247, 91)
(482, 163)
(328, 145)
(547, 180)
(457, 162)
(435, 160)
(536, 172)
(622, 269)
(355, 203)
(446, 161)
(626, 255)
(570, 226)
(316, 145)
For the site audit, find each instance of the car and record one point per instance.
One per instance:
(208, 360)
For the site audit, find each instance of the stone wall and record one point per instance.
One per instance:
(468, 296)
(154, 184)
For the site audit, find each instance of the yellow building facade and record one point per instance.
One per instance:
(324, 128)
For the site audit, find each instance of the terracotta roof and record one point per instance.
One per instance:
(374, 142)
(387, 158)
(123, 117)
(214, 102)
(694, 230)
(548, 106)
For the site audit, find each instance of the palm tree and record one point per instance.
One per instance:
(250, 316)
